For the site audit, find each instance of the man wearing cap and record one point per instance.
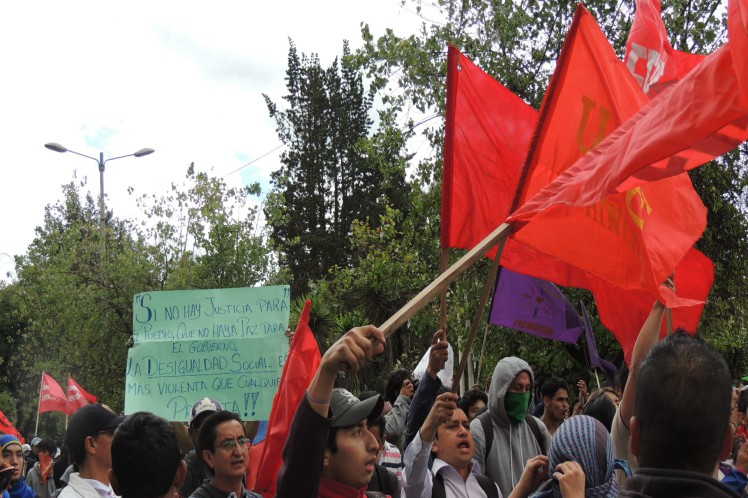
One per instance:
(12, 453)
(330, 452)
(197, 472)
(89, 441)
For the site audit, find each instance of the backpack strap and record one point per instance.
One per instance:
(485, 422)
(437, 489)
(488, 486)
(535, 428)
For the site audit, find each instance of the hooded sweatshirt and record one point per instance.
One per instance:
(513, 443)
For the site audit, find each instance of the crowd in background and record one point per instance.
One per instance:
(674, 426)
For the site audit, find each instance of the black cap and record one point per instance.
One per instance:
(90, 420)
(348, 410)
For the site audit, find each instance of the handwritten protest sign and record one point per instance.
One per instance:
(226, 344)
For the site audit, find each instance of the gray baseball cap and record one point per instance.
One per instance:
(348, 410)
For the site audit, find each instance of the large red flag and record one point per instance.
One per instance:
(707, 110)
(6, 427)
(487, 132)
(517, 255)
(649, 55)
(633, 240)
(298, 371)
(51, 396)
(77, 397)
(625, 312)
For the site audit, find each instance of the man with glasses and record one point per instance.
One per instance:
(224, 447)
(89, 442)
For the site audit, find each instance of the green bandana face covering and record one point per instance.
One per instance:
(516, 405)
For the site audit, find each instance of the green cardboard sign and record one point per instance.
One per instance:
(226, 344)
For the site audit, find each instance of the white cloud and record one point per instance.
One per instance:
(184, 78)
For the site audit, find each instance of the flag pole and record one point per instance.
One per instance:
(38, 405)
(440, 283)
(443, 264)
(488, 287)
(597, 378)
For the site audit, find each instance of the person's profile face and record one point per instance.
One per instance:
(476, 409)
(454, 443)
(13, 457)
(353, 463)
(558, 405)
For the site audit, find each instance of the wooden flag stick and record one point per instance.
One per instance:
(669, 320)
(440, 284)
(488, 288)
(443, 264)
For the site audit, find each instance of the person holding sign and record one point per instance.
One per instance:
(334, 456)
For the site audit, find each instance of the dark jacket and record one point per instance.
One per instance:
(385, 482)
(665, 483)
(197, 474)
(423, 399)
(207, 490)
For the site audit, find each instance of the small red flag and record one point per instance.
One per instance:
(6, 427)
(298, 371)
(77, 397)
(649, 55)
(488, 129)
(51, 396)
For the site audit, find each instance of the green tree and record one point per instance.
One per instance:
(333, 171)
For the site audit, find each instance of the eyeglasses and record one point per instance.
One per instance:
(230, 444)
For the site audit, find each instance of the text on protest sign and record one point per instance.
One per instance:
(226, 344)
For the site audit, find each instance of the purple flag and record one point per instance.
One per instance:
(534, 306)
(594, 354)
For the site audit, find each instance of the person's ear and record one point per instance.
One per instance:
(208, 458)
(635, 436)
(726, 444)
(115, 483)
(326, 459)
(89, 445)
(179, 477)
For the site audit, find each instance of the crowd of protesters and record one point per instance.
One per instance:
(676, 427)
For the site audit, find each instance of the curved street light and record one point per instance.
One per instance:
(101, 162)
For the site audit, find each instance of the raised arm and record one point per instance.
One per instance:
(647, 339)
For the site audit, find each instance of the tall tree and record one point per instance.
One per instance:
(333, 170)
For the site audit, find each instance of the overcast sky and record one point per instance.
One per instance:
(185, 78)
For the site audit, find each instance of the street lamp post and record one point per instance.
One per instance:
(101, 162)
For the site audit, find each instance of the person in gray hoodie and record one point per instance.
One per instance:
(506, 435)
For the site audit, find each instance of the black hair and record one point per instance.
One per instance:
(600, 407)
(145, 456)
(743, 401)
(683, 398)
(470, 398)
(48, 446)
(206, 438)
(551, 387)
(332, 443)
(394, 384)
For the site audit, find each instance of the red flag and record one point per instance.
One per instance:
(649, 56)
(700, 117)
(51, 396)
(77, 397)
(487, 132)
(6, 427)
(298, 371)
(632, 240)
